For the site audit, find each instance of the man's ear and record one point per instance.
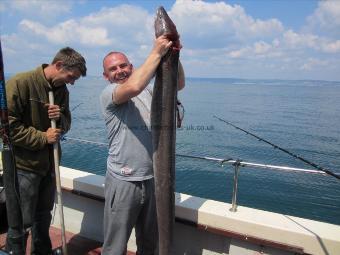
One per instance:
(105, 76)
(59, 65)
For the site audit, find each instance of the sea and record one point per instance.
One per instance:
(301, 116)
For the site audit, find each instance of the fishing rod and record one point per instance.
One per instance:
(14, 214)
(282, 149)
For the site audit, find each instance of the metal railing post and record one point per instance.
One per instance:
(234, 198)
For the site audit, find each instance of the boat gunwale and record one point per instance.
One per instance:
(202, 227)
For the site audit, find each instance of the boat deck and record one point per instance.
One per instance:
(76, 244)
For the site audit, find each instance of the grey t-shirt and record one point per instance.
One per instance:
(129, 134)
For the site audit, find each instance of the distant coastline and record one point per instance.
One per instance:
(240, 81)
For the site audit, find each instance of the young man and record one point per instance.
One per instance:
(30, 116)
(129, 184)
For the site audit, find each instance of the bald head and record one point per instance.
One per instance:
(114, 54)
(117, 67)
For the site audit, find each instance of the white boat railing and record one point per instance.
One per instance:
(239, 163)
(236, 163)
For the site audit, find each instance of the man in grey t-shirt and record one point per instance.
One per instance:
(129, 185)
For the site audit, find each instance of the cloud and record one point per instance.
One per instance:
(302, 41)
(17, 45)
(9, 43)
(31, 53)
(110, 26)
(102, 31)
(67, 32)
(239, 53)
(331, 47)
(126, 23)
(325, 19)
(2, 7)
(262, 48)
(218, 24)
(219, 39)
(45, 9)
(295, 40)
(259, 49)
(313, 63)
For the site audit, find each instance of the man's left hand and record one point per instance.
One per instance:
(53, 111)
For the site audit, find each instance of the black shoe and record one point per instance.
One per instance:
(15, 245)
(57, 251)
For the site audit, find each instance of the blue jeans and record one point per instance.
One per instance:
(37, 194)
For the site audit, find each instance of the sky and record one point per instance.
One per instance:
(250, 39)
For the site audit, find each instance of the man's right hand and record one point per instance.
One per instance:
(161, 45)
(53, 135)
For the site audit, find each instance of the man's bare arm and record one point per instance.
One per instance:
(141, 77)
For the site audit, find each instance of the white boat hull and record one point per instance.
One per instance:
(203, 226)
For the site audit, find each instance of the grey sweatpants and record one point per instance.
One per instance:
(128, 205)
